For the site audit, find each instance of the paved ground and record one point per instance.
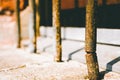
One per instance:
(108, 56)
(18, 64)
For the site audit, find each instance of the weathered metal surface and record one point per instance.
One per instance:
(90, 27)
(18, 23)
(92, 65)
(57, 25)
(38, 17)
(90, 41)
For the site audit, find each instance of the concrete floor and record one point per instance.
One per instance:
(17, 64)
(13, 59)
(108, 56)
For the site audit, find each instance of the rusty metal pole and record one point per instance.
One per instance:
(38, 17)
(18, 22)
(90, 42)
(57, 26)
(34, 26)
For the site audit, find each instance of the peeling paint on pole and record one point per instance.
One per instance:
(90, 41)
(57, 26)
(18, 22)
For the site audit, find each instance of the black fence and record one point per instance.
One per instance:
(108, 16)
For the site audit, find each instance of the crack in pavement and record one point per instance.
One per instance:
(13, 68)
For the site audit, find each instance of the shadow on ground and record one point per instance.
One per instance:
(109, 67)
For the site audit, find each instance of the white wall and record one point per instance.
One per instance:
(110, 36)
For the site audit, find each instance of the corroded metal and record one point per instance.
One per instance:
(57, 26)
(18, 23)
(90, 27)
(38, 17)
(92, 65)
(90, 41)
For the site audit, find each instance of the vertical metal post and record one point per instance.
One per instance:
(38, 17)
(18, 22)
(90, 42)
(57, 26)
(34, 26)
